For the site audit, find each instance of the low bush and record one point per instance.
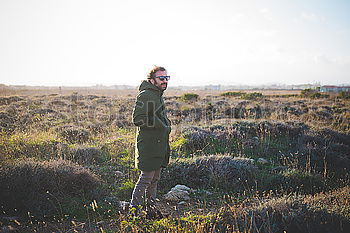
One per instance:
(74, 134)
(313, 94)
(279, 215)
(235, 138)
(336, 201)
(40, 145)
(87, 155)
(344, 95)
(7, 122)
(307, 92)
(232, 93)
(215, 171)
(41, 188)
(189, 97)
(290, 180)
(291, 144)
(252, 96)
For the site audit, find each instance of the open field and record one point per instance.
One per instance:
(255, 161)
(28, 91)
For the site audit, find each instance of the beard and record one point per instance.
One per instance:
(163, 86)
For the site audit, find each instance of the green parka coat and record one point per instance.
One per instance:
(153, 127)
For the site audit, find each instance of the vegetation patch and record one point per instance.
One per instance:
(313, 94)
(252, 159)
(344, 95)
(289, 181)
(232, 93)
(279, 215)
(41, 188)
(40, 145)
(189, 97)
(74, 134)
(252, 96)
(214, 172)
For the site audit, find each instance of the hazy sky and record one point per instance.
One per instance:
(82, 42)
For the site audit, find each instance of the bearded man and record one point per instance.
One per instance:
(152, 139)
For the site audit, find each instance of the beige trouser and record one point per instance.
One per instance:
(147, 184)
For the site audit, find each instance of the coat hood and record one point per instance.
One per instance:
(145, 85)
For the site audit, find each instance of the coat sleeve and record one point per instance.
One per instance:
(144, 113)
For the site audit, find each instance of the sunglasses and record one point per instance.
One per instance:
(161, 78)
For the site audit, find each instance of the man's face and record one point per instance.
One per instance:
(161, 84)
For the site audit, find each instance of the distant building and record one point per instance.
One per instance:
(335, 88)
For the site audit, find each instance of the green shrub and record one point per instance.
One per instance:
(232, 93)
(313, 94)
(290, 180)
(177, 146)
(189, 97)
(252, 96)
(40, 145)
(318, 95)
(241, 137)
(284, 95)
(344, 95)
(307, 92)
(41, 188)
(125, 190)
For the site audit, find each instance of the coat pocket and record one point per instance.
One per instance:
(149, 147)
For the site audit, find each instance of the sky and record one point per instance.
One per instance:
(200, 42)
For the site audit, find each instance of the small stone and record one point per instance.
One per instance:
(124, 205)
(178, 193)
(181, 187)
(263, 161)
(119, 174)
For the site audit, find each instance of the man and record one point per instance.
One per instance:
(152, 147)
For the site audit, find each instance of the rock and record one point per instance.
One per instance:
(181, 187)
(177, 196)
(263, 161)
(178, 193)
(100, 222)
(119, 174)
